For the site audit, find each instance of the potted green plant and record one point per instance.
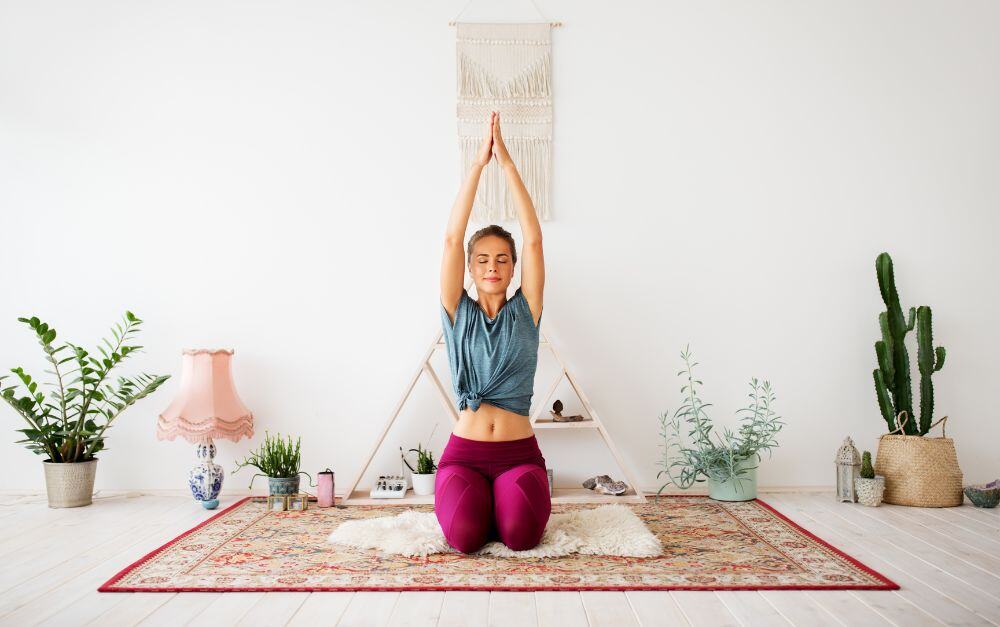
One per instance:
(919, 470)
(69, 426)
(868, 486)
(426, 471)
(728, 461)
(277, 459)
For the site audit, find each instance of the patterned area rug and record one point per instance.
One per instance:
(708, 545)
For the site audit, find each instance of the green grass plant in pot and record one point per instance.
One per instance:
(426, 471)
(69, 426)
(277, 459)
(728, 460)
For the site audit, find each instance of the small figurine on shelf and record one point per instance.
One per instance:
(557, 416)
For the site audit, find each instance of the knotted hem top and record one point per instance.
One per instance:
(492, 359)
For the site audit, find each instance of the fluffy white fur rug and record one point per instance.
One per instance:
(609, 529)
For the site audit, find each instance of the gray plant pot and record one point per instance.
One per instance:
(70, 485)
(870, 491)
(283, 485)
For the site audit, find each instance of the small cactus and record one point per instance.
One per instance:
(867, 472)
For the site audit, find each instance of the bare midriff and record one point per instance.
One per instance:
(492, 424)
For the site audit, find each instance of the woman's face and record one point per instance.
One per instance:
(491, 265)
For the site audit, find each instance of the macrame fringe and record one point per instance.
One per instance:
(476, 81)
(494, 201)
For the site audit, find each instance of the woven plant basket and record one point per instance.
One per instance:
(919, 471)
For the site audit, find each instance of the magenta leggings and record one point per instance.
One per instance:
(492, 490)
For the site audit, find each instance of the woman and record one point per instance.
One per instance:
(491, 481)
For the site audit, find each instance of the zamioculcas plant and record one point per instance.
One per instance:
(892, 377)
(70, 424)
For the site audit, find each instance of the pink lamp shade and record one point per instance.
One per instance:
(207, 406)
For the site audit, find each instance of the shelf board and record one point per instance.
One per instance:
(548, 423)
(559, 495)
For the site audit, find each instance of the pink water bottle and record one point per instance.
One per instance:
(324, 488)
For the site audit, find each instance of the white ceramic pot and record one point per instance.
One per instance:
(423, 484)
(870, 491)
(70, 485)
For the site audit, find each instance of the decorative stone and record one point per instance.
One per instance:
(615, 488)
(986, 495)
(604, 484)
(593, 481)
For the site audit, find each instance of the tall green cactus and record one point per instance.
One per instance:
(929, 360)
(892, 377)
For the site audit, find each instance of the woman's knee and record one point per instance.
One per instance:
(464, 507)
(522, 505)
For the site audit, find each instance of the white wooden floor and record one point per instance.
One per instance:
(52, 561)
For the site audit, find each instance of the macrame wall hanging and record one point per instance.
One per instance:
(506, 67)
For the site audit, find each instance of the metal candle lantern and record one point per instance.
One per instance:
(848, 469)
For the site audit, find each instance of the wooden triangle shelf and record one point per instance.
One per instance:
(354, 496)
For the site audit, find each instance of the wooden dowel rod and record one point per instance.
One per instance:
(554, 24)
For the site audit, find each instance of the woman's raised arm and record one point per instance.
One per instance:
(532, 259)
(453, 261)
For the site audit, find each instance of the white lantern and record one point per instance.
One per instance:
(848, 468)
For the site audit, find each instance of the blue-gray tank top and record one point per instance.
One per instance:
(492, 359)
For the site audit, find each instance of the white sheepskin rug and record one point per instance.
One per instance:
(609, 529)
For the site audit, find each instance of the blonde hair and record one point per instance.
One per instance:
(493, 229)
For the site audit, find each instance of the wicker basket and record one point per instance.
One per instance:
(919, 471)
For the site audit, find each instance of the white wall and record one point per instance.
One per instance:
(277, 177)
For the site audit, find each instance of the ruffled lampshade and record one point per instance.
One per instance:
(207, 406)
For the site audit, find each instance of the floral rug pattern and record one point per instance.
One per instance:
(708, 545)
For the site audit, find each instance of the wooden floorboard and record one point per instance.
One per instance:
(946, 560)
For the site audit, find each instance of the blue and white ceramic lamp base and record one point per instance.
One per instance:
(205, 479)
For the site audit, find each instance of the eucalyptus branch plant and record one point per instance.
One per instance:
(711, 455)
(70, 425)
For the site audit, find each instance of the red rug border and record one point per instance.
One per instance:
(887, 585)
